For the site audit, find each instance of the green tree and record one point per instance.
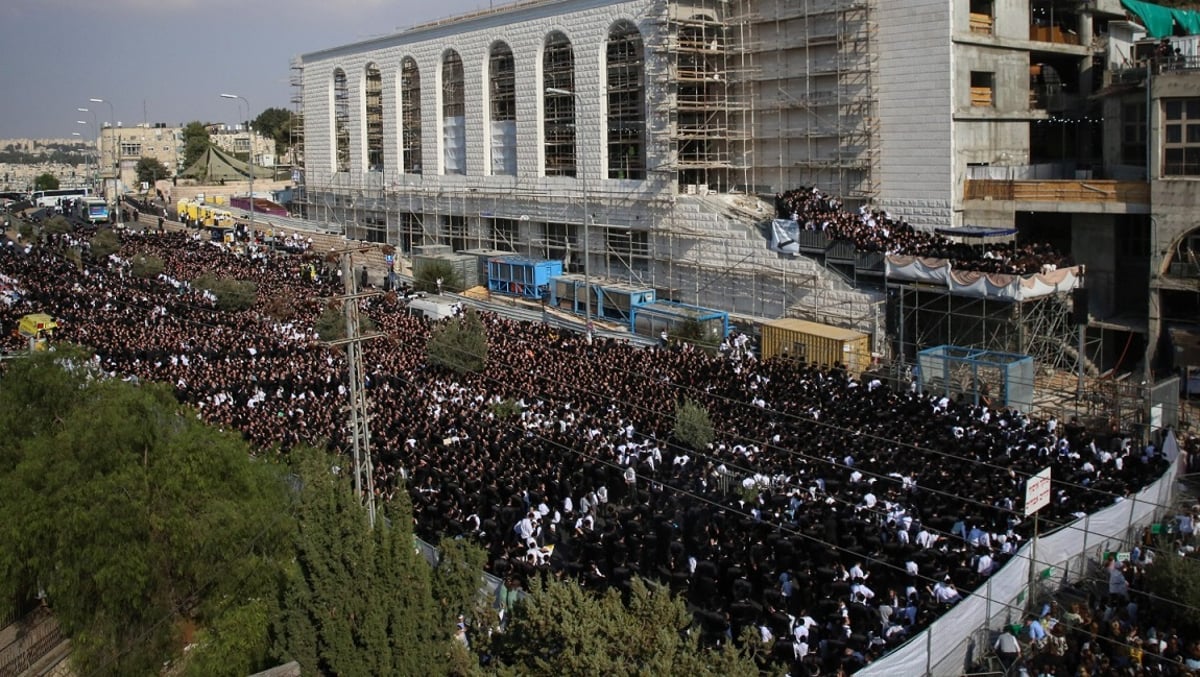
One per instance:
(693, 426)
(45, 181)
(427, 274)
(195, 142)
(275, 123)
(459, 343)
(1175, 581)
(331, 323)
(356, 601)
(232, 295)
(136, 519)
(457, 581)
(149, 170)
(58, 225)
(146, 265)
(105, 242)
(692, 331)
(562, 629)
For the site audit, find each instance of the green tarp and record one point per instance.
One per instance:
(1160, 21)
(216, 165)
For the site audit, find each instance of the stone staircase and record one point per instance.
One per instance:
(727, 236)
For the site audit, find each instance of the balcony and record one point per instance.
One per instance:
(1099, 191)
(1052, 34)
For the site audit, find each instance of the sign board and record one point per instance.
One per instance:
(388, 259)
(1037, 492)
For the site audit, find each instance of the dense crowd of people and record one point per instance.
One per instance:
(832, 514)
(874, 230)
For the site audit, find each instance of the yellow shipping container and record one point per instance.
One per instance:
(816, 343)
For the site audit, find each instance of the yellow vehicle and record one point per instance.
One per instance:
(181, 209)
(38, 328)
(222, 218)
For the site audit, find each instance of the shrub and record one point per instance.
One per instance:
(691, 331)
(427, 273)
(506, 408)
(693, 427)
(459, 344)
(58, 225)
(232, 295)
(331, 323)
(104, 243)
(146, 266)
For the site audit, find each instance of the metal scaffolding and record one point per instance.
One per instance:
(703, 95)
(454, 133)
(814, 110)
(558, 101)
(921, 316)
(296, 129)
(341, 119)
(502, 94)
(626, 68)
(374, 123)
(410, 116)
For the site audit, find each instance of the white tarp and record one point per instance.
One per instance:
(974, 283)
(454, 142)
(504, 148)
(784, 234)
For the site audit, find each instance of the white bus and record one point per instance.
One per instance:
(55, 198)
(91, 209)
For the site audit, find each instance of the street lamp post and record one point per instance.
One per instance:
(92, 177)
(116, 158)
(96, 134)
(84, 122)
(250, 155)
(580, 169)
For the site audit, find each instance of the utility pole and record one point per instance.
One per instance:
(360, 430)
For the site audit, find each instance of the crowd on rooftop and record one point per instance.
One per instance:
(833, 514)
(873, 230)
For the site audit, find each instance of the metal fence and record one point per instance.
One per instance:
(951, 645)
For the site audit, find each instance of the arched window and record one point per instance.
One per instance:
(626, 103)
(374, 111)
(502, 88)
(454, 126)
(558, 101)
(341, 121)
(410, 116)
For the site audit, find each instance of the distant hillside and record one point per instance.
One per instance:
(59, 153)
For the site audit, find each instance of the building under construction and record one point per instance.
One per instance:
(641, 141)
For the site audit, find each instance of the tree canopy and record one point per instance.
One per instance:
(459, 343)
(693, 426)
(136, 520)
(46, 181)
(357, 601)
(276, 123)
(195, 141)
(563, 629)
(426, 277)
(149, 170)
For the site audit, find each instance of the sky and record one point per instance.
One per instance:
(169, 60)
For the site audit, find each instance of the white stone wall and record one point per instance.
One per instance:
(586, 23)
(915, 110)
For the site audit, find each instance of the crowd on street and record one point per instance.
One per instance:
(832, 514)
